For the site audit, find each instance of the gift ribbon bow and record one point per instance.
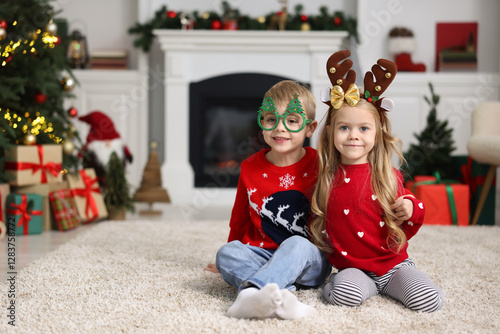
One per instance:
(22, 209)
(337, 96)
(449, 192)
(86, 192)
(51, 167)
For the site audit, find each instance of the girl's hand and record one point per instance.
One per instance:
(403, 208)
(212, 268)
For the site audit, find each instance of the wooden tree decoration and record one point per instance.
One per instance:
(151, 190)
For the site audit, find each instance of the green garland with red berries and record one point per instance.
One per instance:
(231, 19)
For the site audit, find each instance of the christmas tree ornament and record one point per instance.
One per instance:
(3, 24)
(40, 98)
(68, 147)
(72, 112)
(337, 20)
(170, 14)
(216, 24)
(52, 27)
(3, 33)
(68, 83)
(305, 26)
(29, 139)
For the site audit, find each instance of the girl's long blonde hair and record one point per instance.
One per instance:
(383, 179)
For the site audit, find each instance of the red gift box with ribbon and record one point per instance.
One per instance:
(33, 164)
(446, 201)
(88, 197)
(26, 210)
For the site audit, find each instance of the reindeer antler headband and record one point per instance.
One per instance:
(338, 68)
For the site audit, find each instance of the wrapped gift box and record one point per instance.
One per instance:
(88, 197)
(33, 164)
(4, 191)
(49, 222)
(437, 202)
(473, 173)
(26, 210)
(64, 209)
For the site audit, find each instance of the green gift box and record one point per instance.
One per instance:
(473, 173)
(26, 212)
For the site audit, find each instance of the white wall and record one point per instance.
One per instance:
(377, 17)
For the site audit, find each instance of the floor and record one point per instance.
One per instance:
(31, 247)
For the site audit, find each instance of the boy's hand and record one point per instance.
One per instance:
(403, 208)
(212, 268)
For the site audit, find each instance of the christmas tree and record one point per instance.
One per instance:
(151, 190)
(432, 153)
(34, 80)
(117, 190)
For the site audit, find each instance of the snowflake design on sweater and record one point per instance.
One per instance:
(287, 181)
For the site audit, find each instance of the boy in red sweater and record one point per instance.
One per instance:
(268, 251)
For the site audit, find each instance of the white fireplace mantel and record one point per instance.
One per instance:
(194, 55)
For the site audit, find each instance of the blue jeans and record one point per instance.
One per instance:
(296, 260)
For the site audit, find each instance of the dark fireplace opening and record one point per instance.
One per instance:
(223, 128)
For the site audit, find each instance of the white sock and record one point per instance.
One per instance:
(291, 308)
(255, 303)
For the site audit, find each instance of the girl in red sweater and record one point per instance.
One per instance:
(356, 223)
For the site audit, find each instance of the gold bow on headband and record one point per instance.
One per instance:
(337, 96)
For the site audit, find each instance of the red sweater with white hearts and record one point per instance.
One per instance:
(273, 203)
(354, 224)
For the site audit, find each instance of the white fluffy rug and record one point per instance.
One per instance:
(147, 277)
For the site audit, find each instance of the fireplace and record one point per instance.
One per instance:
(195, 56)
(222, 125)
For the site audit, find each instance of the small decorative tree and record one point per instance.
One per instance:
(117, 191)
(432, 153)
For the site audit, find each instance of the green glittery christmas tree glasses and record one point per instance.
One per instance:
(294, 117)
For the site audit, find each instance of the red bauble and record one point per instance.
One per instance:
(72, 112)
(40, 98)
(216, 24)
(3, 24)
(337, 20)
(57, 40)
(170, 14)
(303, 18)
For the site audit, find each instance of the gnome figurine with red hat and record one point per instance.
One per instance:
(102, 140)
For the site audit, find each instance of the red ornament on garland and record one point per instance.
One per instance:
(337, 20)
(170, 14)
(40, 98)
(303, 18)
(3, 24)
(72, 112)
(216, 24)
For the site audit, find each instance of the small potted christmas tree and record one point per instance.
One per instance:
(117, 190)
(432, 153)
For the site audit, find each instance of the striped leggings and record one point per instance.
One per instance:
(404, 282)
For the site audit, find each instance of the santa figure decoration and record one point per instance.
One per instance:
(102, 140)
(402, 44)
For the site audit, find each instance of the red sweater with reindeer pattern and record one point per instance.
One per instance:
(354, 223)
(273, 203)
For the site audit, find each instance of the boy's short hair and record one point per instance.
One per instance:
(283, 91)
